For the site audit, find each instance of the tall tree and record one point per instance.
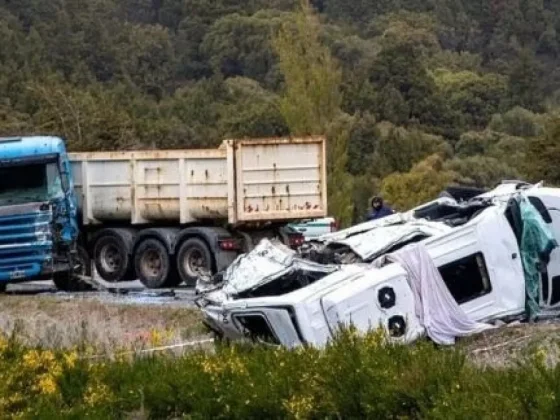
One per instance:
(544, 153)
(311, 99)
(423, 183)
(312, 78)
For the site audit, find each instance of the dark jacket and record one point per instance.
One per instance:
(384, 211)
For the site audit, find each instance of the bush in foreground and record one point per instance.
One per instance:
(354, 377)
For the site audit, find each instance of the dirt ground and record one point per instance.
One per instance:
(54, 322)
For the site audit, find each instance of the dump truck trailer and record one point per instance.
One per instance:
(164, 217)
(167, 217)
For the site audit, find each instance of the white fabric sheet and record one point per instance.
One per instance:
(438, 312)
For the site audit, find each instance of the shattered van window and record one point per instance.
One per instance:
(467, 278)
(257, 328)
(29, 183)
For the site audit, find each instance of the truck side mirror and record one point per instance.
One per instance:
(64, 168)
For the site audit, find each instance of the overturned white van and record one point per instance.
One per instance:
(476, 247)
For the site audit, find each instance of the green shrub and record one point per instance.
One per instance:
(353, 377)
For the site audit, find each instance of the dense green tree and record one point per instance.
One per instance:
(543, 153)
(472, 97)
(505, 152)
(481, 171)
(250, 111)
(400, 69)
(239, 45)
(362, 142)
(525, 82)
(422, 183)
(398, 149)
(517, 122)
(391, 83)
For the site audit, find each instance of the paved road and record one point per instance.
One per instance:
(123, 292)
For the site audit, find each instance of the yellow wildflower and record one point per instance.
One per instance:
(541, 355)
(70, 359)
(299, 407)
(47, 384)
(3, 344)
(32, 359)
(96, 394)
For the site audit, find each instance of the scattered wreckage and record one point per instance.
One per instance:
(447, 269)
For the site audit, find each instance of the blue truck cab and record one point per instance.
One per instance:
(38, 213)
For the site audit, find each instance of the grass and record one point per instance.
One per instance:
(354, 377)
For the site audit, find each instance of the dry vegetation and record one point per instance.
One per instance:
(506, 346)
(54, 322)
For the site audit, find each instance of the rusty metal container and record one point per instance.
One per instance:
(242, 181)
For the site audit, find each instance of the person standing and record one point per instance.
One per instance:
(378, 209)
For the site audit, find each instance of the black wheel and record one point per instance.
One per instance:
(67, 281)
(194, 259)
(153, 265)
(3, 287)
(111, 259)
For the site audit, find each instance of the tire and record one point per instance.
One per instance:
(3, 287)
(193, 259)
(111, 259)
(153, 264)
(67, 282)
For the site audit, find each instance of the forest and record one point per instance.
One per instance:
(413, 95)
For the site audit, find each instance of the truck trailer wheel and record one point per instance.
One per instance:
(67, 281)
(194, 259)
(111, 258)
(153, 265)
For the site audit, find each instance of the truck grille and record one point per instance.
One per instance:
(25, 244)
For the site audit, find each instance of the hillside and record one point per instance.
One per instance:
(430, 92)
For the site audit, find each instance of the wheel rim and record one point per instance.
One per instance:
(195, 264)
(110, 258)
(151, 263)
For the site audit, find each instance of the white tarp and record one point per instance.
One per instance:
(435, 307)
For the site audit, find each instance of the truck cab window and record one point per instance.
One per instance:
(35, 182)
(467, 278)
